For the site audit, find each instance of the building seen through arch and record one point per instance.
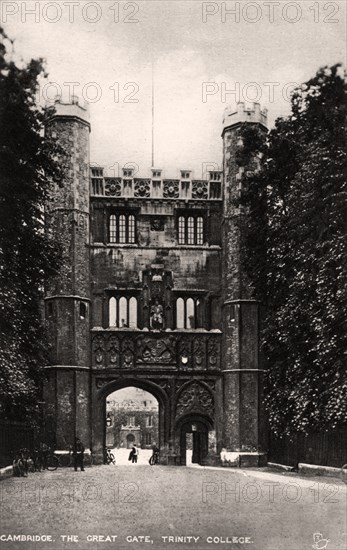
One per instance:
(134, 419)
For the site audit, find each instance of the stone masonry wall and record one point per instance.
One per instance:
(68, 211)
(236, 284)
(119, 265)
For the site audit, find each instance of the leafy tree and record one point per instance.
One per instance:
(27, 256)
(295, 254)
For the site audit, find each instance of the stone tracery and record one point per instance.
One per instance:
(195, 398)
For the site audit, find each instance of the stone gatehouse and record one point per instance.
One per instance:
(151, 294)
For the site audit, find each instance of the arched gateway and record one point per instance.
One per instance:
(151, 294)
(177, 411)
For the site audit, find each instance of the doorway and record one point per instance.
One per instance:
(130, 440)
(193, 441)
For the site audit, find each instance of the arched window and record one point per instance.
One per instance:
(122, 228)
(83, 310)
(181, 230)
(198, 313)
(123, 312)
(199, 230)
(190, 233)
(131, 229)
(113, 320)
(191, 229)
(113, 229)
(180, 313)
(189, 313)
(132, 312)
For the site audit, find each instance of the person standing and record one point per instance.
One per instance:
(18, 465)
(135, 454)
(155, 448)
(155, 455)
(44, 452)
(78, 454)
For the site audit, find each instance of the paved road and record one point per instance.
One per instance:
(261, 510)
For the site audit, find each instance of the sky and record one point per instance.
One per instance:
(136, 395)
(201, 56)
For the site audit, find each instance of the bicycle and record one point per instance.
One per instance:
(154, 458)
(51, 462)
(64, 460)
(42, 459)
(109, 457)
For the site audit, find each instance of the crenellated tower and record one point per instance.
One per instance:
(242, 373)
(67, 303)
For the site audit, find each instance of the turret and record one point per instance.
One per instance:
(235, 282)
(243, 424)
(67, 300)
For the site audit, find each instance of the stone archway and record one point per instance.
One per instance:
(195, 408)
(99, 410)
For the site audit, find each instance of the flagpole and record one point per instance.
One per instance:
(152, 115)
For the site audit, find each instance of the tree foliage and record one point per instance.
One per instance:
(27, 257)
(295, 254)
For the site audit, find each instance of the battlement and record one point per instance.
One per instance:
(74, 108)
(243, 114)
(155, 186)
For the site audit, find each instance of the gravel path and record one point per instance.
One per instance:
(112, 507)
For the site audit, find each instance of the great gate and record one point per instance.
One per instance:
(151, 294)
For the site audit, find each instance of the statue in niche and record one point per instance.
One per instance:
(157, 275)
(157, 315)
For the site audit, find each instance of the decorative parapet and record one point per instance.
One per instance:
(183, 350)
(142, 187)
(113, 187)
(200, 189)
(154, 188)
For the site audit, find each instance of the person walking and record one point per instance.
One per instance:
(78, 454)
